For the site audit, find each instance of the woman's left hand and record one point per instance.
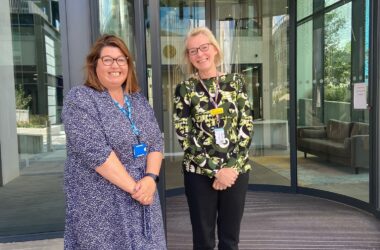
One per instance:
(144, 190)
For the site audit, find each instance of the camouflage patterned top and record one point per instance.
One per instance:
(195, 124)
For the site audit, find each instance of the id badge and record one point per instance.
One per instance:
(219, 136)
(139, 150)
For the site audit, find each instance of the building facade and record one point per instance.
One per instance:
(311, 69)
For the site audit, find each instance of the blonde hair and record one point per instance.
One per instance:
(188, 66)
(91, 78)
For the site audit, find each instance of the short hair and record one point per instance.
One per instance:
(189, 68)
(91, 79)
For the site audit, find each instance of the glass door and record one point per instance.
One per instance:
(253, 37)
(176, 19)
(116, 17)
(332, 83)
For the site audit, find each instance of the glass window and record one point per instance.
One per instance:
(185, 15)
(253, 45)
(33, 137)
(245, 18)
(307, 7)
(330, 2)
(304, 9)
(261, 55)
(177, 18)
(117, 17)
(333, 131)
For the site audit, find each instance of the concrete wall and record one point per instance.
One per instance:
(9, 164)
(76, 40)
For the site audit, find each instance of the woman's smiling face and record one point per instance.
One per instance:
(114, 75)
(204, 60)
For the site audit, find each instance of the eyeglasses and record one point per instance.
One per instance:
(203, 48)
(108, 61)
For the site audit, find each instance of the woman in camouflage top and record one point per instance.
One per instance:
(213, 122)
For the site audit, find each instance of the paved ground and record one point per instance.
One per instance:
(37, 197)
(53, 244)
(271, 221)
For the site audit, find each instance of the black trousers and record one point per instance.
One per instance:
(209, 207)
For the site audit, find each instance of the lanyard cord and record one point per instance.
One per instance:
(212, 100)
(128, 113)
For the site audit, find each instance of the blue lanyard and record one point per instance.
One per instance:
(128, 114)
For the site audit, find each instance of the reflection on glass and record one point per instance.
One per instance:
(241, 29)
(304, 9)
(117, 17)
(332, 135)
(32, 198)
(176, 19)
(330, 2)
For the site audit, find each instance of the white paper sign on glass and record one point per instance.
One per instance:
(360, 96)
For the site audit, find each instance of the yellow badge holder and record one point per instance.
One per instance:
(216, 111)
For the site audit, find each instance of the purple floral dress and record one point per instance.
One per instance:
(99, 215)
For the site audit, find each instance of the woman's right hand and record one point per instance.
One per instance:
(227, 176)
(218, 186)
(145, 190)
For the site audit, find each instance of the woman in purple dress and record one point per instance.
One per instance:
(114, 147)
